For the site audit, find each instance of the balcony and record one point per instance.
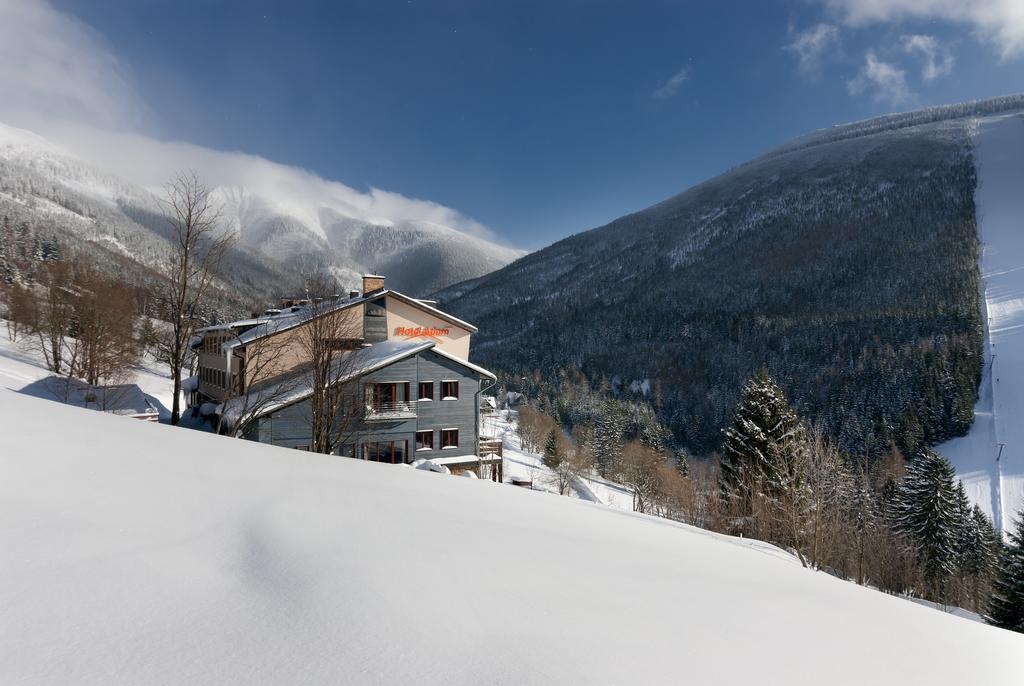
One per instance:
(379, 412)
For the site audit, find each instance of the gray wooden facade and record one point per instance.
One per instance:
(290, 426)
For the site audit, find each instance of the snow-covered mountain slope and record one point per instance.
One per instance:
(845, 263)
(141, 553)
(994, 478)
(285, 218)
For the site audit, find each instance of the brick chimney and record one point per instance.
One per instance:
(372, 282)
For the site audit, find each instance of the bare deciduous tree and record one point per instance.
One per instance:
(53, 319)
(641, 471)
(533, 426)
(105, 330)
(197, 247)
(22, 310)
(330, 344)
(258, 385)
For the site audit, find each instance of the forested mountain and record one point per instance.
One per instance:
(846, 263)
(281, 228)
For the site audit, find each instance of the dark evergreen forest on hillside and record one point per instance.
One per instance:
(848, 269)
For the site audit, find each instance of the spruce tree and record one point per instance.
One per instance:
(764, 432)
(607, 439)
(552, 451)
(1006, 609)
(926, 509)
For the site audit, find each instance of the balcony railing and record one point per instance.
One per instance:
(396, 410)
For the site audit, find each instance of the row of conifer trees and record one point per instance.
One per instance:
(901, 525)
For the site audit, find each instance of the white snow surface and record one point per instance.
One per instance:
(998, 486)
(144, 553)
(20, 366)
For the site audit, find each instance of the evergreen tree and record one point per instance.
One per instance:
(552, 450)
(607, 440)
(682, 462)
(765, 433)
(968, 535)
(1006, 609)
(926, 509)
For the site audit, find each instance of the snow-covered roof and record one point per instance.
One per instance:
(289, 320)
(466, 363)
(463, 459)
(284, 391)
(123, 399)
(261, 327)
(227, 326)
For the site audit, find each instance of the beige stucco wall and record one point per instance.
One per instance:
(274, 355)
(277, 354)
(404, 315)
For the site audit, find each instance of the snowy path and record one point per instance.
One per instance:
(998, 485)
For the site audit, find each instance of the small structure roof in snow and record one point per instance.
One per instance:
(122, 399)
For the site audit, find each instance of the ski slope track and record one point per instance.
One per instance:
(990, 459)
(138, 553)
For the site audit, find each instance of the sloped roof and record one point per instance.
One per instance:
(290, 389)
(284, 391)
(440, 314)
(289, 320)
(466, 363)
(270, 325)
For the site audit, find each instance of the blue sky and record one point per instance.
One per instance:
(541, 119)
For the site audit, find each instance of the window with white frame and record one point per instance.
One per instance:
(449, 438)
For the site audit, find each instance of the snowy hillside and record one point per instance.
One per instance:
(20, 366)
(140, 553)
(285, 218)
(997, 485)
(847, 266)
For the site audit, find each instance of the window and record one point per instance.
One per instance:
(449, 438)
(426, 390)
(385, 451)
(375, 310)
(449, 390)
(424, 440)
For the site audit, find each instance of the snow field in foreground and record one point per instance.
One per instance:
(141, 553)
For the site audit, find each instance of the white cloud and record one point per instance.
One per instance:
(938, 60)
(670, 87)
(998, 22)
(55, 66)
(884, 81)
(60, 79)
(809, 47)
